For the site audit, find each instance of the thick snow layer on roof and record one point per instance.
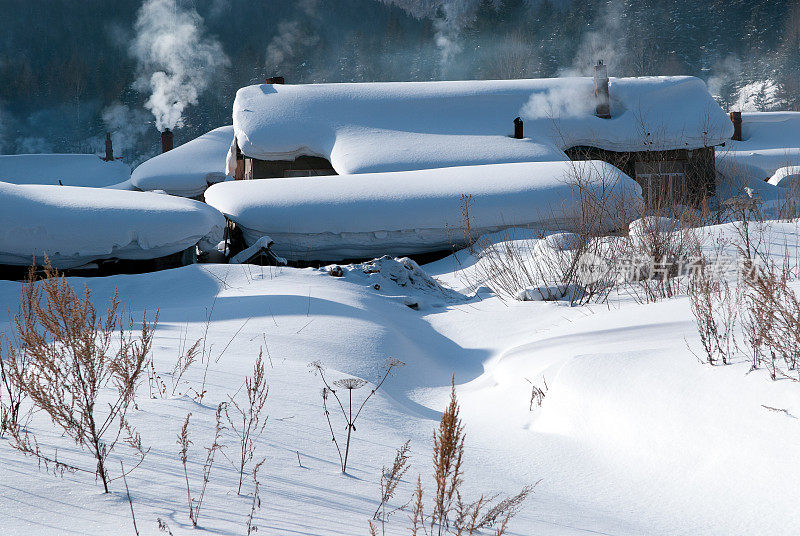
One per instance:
(188, 169)
(70, 169)
(770, 140)
(401, 213)
(74, 226)
(396, 126)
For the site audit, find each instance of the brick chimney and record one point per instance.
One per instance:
(109, 148)
(275, 80)
(166, 140)
(601, 95)
(736, 119)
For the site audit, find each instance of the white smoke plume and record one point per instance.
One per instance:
(176, 62)
(559, 103)
(450, 18)
(603, 42)
(127, 127)
(726, 74)
(292, 37)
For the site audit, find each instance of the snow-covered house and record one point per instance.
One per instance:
(64, 169)
(91, 227)
(662, 130)
(366, 215)
(186, 170)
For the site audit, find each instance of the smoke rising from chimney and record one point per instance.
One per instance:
(450, 18)
(560, 103)
(175, 61)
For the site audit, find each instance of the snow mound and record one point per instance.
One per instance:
(399, 126)
(74, 225)
(188, 169)
(404, 213)
(770, 140)
(70, 169)
(402, 278)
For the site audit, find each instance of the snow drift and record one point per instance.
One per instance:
(397, 126)
(188, 169)
(770, 140)
(70, 169)
(403, 213)
(74, 226)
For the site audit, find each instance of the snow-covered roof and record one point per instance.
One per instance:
(75, 225)
(188, 169)
(407, 212)
(396, 126)
(70, 169)
(770, 140)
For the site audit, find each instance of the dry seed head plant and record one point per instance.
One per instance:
(81, 368)
(350, 385)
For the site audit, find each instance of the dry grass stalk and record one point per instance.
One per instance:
(349, 384)
(537, 393)
(448, 452)
(390, 478)
(195, 504)
(11, 396)
(247, 421)
(450, 513)
(418, 513)
(74, 356)
(256, 504)
(128, 494)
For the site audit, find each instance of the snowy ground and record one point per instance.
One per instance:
(634, 436)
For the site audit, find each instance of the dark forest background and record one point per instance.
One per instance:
(67, 74)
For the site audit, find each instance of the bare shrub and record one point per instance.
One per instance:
(450, 514)
(577, 266)
(82, 369)
(776, 308)
(195, 504)
(390, 478)
(247, 421)
(349, 384)
(662, 245)
(716, 305)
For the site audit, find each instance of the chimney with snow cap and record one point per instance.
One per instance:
(601, 95)
(166, 140)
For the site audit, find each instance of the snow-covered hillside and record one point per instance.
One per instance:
(633, 436)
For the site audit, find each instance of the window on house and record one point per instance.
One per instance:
(663, 182)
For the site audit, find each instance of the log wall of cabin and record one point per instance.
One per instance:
(302, 166)
(699, 166)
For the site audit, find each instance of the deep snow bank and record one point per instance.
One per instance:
(770, 140)
(70, 169)
(74, 226)
(188, 169)
(402, 213)
(397, 126)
